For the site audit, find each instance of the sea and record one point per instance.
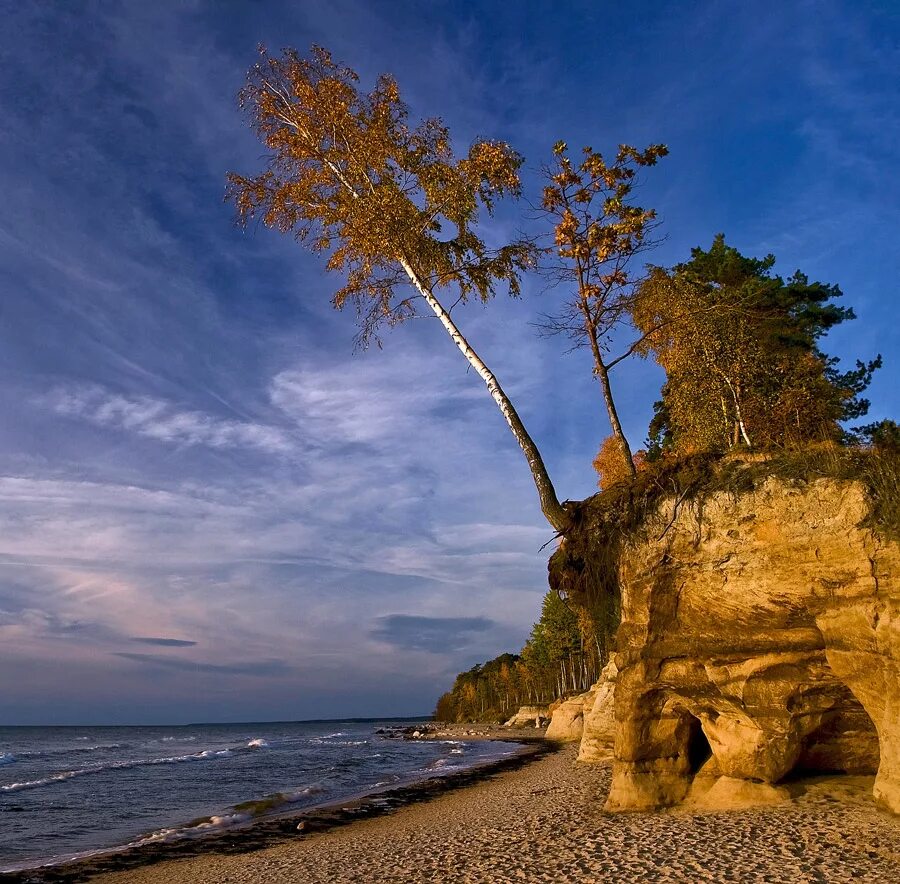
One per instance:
(72, 792)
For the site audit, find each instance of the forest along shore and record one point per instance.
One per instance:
(545, 822)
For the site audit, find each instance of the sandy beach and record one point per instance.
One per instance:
(545, 822)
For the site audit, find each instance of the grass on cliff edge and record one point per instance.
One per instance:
(623, 508)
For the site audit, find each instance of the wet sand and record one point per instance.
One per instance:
(545, 822)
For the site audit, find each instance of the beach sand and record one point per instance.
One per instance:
(545, 822)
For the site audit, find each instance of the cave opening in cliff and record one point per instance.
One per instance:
(698, 749)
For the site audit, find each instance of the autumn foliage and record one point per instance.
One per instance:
(598, 231)
(349, 175)
(610, 468)
(740, 347)
(389, 202)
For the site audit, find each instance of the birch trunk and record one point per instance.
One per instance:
(603, 376)
(550, 505)
(602, 373)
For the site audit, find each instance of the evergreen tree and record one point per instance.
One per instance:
(742, 355)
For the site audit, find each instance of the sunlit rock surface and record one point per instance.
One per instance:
(599, 728)
(529, 716)
(567, 721)
(760, 629)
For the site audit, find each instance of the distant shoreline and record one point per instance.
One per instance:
(269, 831)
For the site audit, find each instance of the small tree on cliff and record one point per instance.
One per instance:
(610, 467)
(598, 232)
(389, 202)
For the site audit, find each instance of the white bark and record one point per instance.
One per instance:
(550, 504)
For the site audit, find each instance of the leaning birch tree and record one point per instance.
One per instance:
(388, 202)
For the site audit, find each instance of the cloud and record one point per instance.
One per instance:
(434, 634)
(261, 668)
(161, 420)
(163, 642)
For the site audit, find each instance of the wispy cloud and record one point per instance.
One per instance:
(433, 634)
(163, 642)
(161, 420)
(257, 668)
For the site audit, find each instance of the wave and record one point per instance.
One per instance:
(193, 830)
(390, 781)
(116, 765)
(258, 743)
(7, 758)
(69, 750)
(241, 813)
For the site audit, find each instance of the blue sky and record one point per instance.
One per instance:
(210, 508)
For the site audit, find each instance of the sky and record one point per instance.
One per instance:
(211, 507)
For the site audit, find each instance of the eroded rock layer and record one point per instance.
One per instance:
(760, 630)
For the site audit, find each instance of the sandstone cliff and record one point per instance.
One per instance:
(759, 638)
(527, 716)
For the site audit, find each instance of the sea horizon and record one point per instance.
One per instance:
(268, 721)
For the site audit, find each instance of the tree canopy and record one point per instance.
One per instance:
(397, 213)
(742, 355)
(350, 176)
(562, 655)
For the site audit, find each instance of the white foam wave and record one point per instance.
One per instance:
(7, 758)
(299, 794)
(116, 765)
(195, 831)
(258, 743)
(44, 781)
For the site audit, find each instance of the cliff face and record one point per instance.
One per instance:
(759, 637)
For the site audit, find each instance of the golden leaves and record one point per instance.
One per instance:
(347, 174)
(597, 229)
